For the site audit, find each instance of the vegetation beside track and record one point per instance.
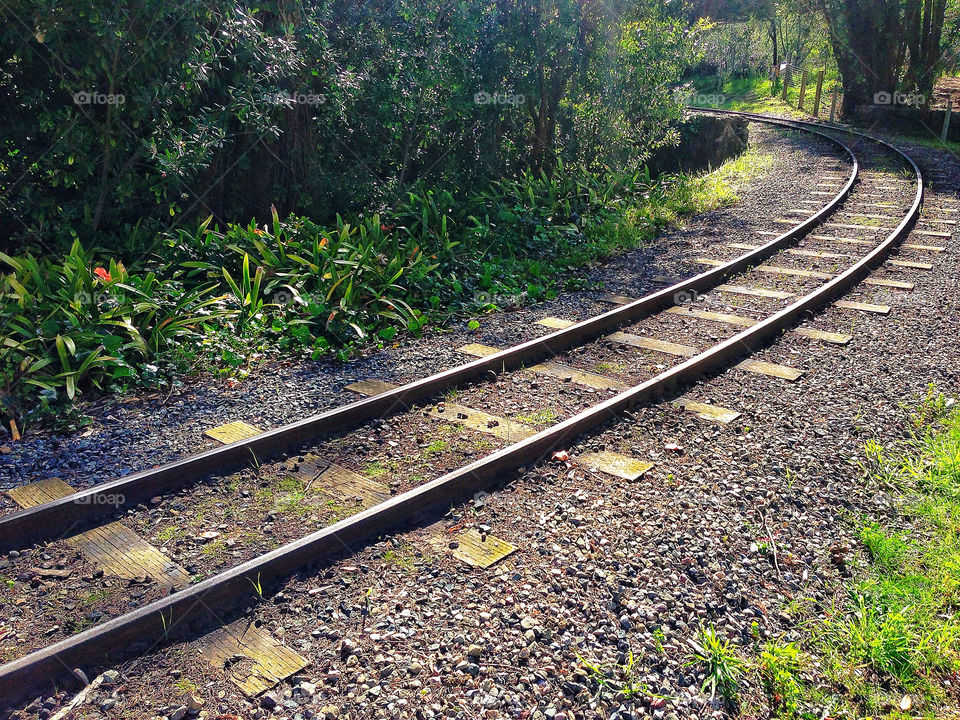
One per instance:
(889, 646)
(759, 94)
(223, 298)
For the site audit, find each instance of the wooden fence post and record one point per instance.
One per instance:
(833, 105)
(803, 89)
(946, 119)
(816, 97)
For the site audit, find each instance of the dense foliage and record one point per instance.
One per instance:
(122, 118)
(398, 158)
(218, 297)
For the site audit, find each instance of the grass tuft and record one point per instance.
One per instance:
(723, 667)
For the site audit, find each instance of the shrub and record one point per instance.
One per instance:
(72, 322)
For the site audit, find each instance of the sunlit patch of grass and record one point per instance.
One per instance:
(759, 95)
(779, 666)
(215, 550)
(185, 686)
(721, 187)
(379, 468)
(479, 443)
(671, 199)
(168, 534)
(436, 447)
(400, 557)
(538, 417)
(608, 367)
(898, 630)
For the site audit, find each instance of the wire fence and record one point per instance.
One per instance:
(809, 95)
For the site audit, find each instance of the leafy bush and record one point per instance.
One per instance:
(171, 112)
(218, 296)
(70, 322)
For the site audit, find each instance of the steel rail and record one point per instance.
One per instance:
(184, 611)
(72, 513)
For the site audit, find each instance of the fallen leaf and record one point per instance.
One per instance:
(561, 455)
(4, 449)
(906, 703)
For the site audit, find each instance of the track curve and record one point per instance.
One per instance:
(192, 605)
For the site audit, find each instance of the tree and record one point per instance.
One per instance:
(885, 46)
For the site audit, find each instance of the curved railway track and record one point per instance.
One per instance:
(868, 190)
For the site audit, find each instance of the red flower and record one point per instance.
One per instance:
(102, 275)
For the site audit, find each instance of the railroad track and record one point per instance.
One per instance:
(835, 239)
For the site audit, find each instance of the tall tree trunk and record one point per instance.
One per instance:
(772, 32)
(924, 35)
(884, 46)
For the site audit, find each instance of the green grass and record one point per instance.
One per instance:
(617, 679)
(892, 633)
(215, 550)
(758, 94)
(950, 146)
(401, 557)
(896, 631)
(635, 222)
(378, 469)
(538, 417)
(186, 687)
(608, 367)
(722, 666)
(722, 187)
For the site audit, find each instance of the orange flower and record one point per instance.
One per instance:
(324, 242)
(258, 232)
(102, 275)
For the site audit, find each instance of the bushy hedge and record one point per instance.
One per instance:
(122, 118)
(215, 297)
